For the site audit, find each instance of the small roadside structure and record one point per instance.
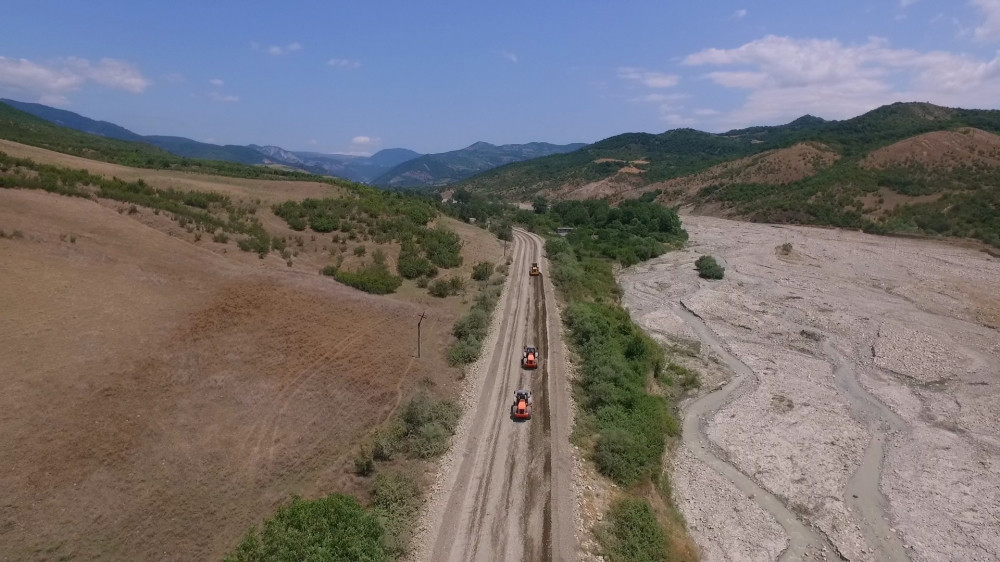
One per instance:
(564, 230)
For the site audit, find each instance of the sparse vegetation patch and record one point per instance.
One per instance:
(708, 268)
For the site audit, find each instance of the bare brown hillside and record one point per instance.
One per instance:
(161, 393)
(773, 167)
(940, 149)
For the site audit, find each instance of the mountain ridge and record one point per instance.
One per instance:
(444, 168)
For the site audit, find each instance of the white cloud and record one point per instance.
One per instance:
(24, 74)
(648, 78)
(507, 55)
(53, 82)
(989, 30)
(112, 73)
(740, 14)
(361, 140)
(216, 82)
(278, 50)
(785, 78)
(344, 63)
(216, 96)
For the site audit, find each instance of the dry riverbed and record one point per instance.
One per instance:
(851, 400)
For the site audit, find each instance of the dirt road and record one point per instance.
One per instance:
(858, 421)
(506, 494)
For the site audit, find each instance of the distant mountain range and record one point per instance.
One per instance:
(391, 167)
(447, 167)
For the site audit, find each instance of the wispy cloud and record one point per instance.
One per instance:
(344, 63)
(53, 82)
(648, 78)
(361, 140)
(906, 3)
(223, 98)
(740, 14)
(989, 30)
(786, 77)
(507, 55)
(174, 78)
(277, 50)
(216, 82)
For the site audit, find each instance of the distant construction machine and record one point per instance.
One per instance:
(534, 272)
(529, 359)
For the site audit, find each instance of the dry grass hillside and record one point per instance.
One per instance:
(162, 392)
(940, 149)
(773, 167)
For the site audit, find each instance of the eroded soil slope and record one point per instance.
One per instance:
(863, 397)
(159, 397)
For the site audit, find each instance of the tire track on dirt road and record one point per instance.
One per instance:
(505, 500)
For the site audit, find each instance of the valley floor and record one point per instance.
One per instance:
(850, 404)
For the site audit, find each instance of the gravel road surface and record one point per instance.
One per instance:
(504, 491)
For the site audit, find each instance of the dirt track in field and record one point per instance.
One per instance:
(850, 401)
(158, 397)
(505, 490)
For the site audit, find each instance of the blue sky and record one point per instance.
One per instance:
(360, 76)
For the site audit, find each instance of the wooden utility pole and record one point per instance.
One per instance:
(422, 316)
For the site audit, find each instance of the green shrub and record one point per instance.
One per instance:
(427, 425)
(482, 270)
(259, 242)
(708, 268)
(443, 247)
(687, 378)
(465, 351)
(473, 324)
(395, 499)
(359, 251)
(334, 529)
(412, 266)
(633, 534)
(374, 279)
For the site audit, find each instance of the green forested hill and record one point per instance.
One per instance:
(682, 152)
(18, 126)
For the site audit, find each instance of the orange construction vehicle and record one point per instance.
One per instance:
(535, 272)
(521, 408)
(529, 359)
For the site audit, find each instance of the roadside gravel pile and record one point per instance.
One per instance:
(869, 399)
